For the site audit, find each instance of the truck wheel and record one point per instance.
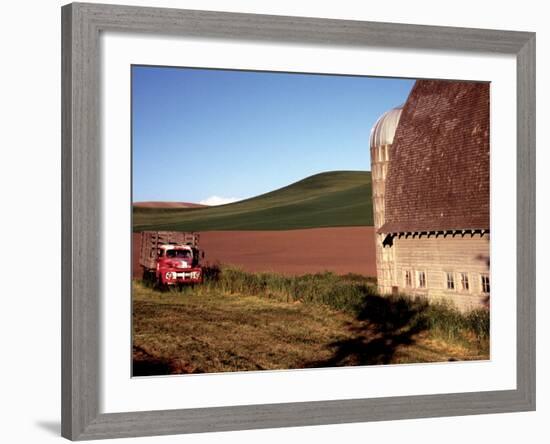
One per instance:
(159, 285)
(148, 278)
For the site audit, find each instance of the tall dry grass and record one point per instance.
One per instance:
(353, 294)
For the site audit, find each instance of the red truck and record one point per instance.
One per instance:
(171, 257)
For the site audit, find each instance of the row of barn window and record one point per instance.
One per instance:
(451, 282)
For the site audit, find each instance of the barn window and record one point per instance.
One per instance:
(408, 278)
(450, 281)
(421, 279)
(485, 285)
(464, 282)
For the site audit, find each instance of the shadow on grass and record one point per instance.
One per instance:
(386, 324)
(382, 324)
(144, 364)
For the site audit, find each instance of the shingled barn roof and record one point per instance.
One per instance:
(438, 176)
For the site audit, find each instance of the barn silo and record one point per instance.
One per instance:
(381, 140)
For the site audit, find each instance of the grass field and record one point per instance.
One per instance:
(244, 321)
(332, 199)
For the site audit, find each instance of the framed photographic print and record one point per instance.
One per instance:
(278, 221)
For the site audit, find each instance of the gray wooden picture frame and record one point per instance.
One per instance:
(81, 231)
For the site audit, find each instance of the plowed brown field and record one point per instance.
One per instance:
(294, 252)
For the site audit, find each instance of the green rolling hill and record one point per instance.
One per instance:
(331, 199)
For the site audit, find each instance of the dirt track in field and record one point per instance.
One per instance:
(340, 250)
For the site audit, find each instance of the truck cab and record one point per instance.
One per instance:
(178, 264)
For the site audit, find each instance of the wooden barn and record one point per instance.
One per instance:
(430, 171)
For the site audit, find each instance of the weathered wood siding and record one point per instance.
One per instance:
(436, 256)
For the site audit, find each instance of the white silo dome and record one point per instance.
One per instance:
(384, 129)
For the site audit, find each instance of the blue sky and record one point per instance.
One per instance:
(199, 133)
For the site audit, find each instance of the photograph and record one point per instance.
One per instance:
(275, 222)
(285, 221)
